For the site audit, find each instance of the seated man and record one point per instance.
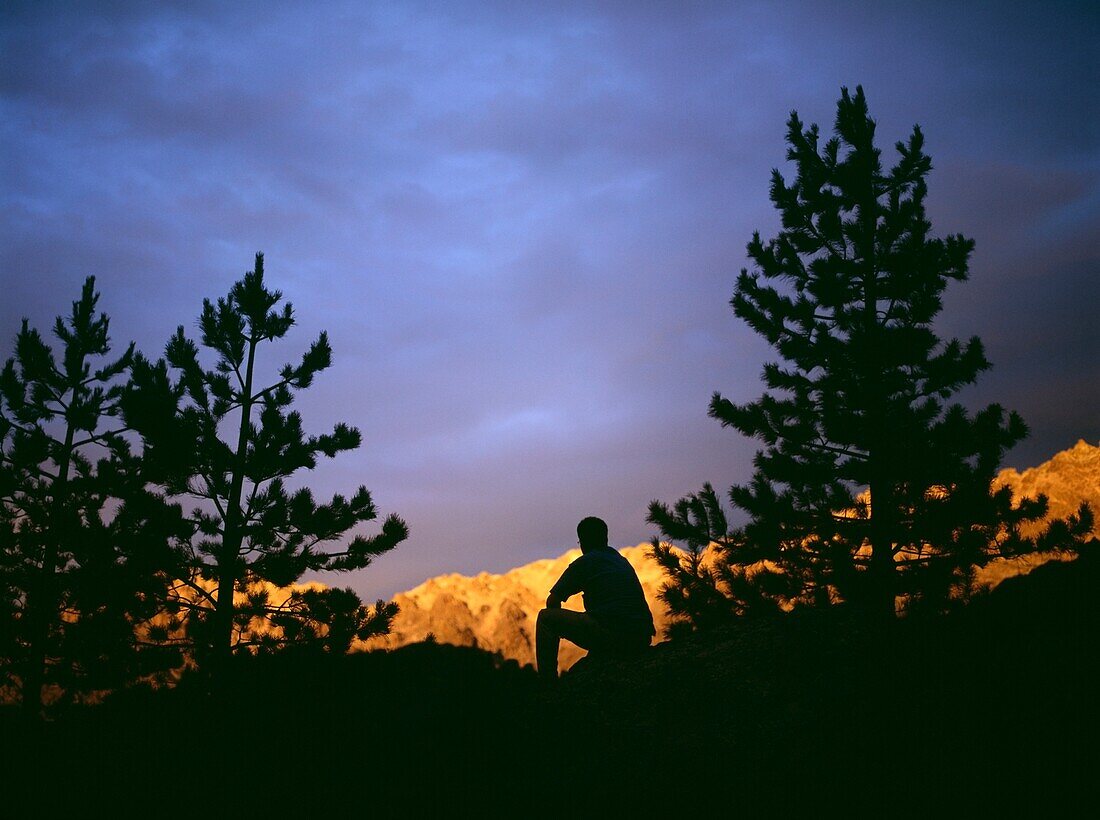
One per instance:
(616, 618)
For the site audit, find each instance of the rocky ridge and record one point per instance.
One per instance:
(1067, 479)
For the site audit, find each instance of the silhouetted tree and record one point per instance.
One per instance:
(84, 548)
(869, 486)
(702, 587)
(217, 436)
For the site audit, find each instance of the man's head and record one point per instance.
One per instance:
(592, 533)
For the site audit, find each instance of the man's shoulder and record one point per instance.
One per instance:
(582, 560)
(590, 558)
(601, 557)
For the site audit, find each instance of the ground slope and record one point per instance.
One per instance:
(994, 705)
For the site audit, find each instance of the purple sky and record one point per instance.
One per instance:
(521, 223)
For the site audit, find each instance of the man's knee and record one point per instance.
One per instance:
(547, 619)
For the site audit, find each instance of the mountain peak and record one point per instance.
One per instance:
(1067, 479)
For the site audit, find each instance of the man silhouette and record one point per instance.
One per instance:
(616, 619)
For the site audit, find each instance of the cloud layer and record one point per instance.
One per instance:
(521, 225)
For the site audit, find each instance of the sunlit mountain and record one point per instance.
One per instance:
(1067, 479)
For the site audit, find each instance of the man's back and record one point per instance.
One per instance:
(612, 592)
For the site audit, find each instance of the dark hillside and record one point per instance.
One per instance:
(993, 706)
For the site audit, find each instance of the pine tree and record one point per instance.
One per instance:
(703, 589)
(870, 487)
(84, 547)
(250, 530)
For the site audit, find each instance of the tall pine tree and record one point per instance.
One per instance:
(870, 486)
(85, 549)
(221, 438)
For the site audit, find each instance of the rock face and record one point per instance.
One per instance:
(1069, 478)
(497, 612)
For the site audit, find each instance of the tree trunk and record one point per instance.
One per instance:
(232, 535)
(42, 603)
(880, 488)
(881, 597)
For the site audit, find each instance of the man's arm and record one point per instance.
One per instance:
(567, 586)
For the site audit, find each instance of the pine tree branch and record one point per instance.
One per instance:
(38, 471)
(271, 640)
(250, 505)
(197, 587)
(166, 644)
(98, 438)
(828, 448)
(238, 374)
(210, 495)
(813, 229)
(57, 397)
(886, 314)
(191, 605)
(282, 383)
(287, 606)
(941, 557)
(14, 423)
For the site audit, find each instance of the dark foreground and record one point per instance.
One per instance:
(995, 707)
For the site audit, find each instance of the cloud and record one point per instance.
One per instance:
(521, 223)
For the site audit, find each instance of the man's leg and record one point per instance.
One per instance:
(553, 625)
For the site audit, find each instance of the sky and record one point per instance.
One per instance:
(521, 223)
